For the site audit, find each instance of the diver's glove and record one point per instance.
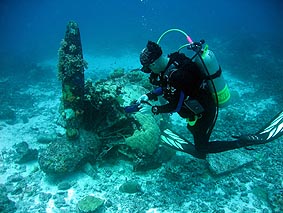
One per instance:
(145, 107)
(139, 106)
(143, 98)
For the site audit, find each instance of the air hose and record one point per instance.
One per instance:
(177, 30)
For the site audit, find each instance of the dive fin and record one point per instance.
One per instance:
(270, 132)
(174, 141)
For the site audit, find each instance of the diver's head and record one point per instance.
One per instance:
(151, 58)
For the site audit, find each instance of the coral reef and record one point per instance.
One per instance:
(130, 187)
(90, 204)
(62, 157)
(103, 113)
(117, 73)
(105, 116)
(146, 139)
(93, 116)
(70, 54)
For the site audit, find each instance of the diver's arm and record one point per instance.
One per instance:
(166, 108)
(173, 106)
(153, 95)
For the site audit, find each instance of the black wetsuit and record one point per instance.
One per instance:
(180, 81)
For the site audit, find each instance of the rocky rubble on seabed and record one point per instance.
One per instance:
(183, 184)
(180, 185)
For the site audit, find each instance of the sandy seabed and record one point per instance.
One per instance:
(183, 184)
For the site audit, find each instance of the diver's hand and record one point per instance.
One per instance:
(145, 108)
(143, 98)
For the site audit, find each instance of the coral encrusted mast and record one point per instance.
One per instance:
(71, 67)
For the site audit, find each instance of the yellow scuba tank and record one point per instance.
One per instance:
(208, 64)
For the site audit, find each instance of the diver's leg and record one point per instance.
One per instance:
(202, 130)
(221, 146)
(270, 132)
(203, 127)
(174, 141)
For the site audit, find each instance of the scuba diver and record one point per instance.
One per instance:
(194, 88)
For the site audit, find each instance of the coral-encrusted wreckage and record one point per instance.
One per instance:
(93, 115)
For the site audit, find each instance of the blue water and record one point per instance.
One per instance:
(33, 29)
(246, 35)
